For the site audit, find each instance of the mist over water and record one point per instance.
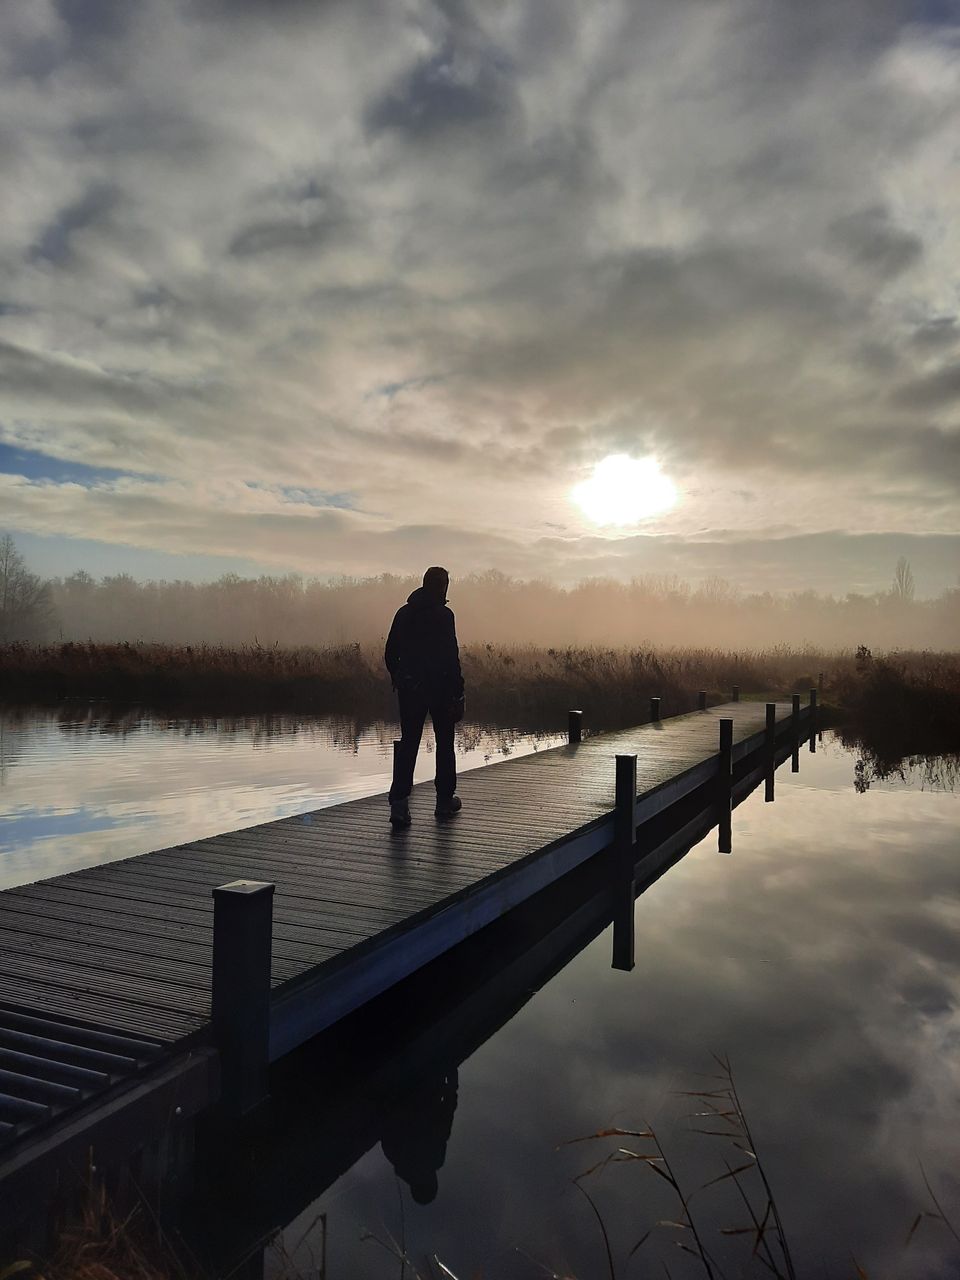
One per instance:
(492, 607)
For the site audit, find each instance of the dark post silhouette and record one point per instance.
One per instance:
(770, 726)
(242, 945)
(813, 721)
(795, 732)
(702, 700)
(770, 745)
(574, 727)
(624, 833)
(736, 693)
(725, 786)
(654, 708)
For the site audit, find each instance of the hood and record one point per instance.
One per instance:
(424, 599)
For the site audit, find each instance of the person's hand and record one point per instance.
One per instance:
(457, 708)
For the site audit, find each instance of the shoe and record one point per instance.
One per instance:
(400, 815)
(447, 808)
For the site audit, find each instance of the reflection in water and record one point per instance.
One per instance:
(822, 957)
(84, 786)
(926, 773)
(415, 1130)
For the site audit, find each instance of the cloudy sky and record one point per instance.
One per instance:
(356, 287)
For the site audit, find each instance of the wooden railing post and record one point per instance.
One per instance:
(795, 732)
(770, 726)
(725, 786)
(574, 727)
(770, 749)
(654, 708)
(813, 721)
(736, 693)
(624, 836)
(702, 700)
(242, 946)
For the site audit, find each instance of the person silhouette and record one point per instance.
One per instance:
(414, 1134)
(423, 659)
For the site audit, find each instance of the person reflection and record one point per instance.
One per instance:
(415, 1132)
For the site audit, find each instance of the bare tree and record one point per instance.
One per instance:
(24, 598)
(903, 586)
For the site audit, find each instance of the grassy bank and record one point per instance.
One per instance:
(910, 701)
(896, 707)
(503, 683)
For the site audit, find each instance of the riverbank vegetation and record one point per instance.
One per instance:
(516, 685)
(899, 704)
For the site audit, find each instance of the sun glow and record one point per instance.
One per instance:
(625, 490)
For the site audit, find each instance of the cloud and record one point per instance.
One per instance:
(444, 257)
(871, 241)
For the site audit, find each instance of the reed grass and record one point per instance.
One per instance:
(99, 1242)
(102, 1244)
(503, 682)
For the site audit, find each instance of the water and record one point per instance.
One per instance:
(77, 790)
(823, 957)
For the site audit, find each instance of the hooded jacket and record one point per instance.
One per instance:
(421, 652)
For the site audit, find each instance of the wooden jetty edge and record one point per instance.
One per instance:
(141, 992)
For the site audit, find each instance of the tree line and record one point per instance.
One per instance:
(490, 607)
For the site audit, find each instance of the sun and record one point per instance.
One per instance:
(625, 490)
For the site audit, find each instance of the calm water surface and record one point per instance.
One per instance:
(823, 957)
(77, 790)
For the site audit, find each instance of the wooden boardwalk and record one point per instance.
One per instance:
(126, 947)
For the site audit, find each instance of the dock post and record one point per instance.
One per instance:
(813, 721)
(736, 693)
(702, 700)
(654, 708)
(770, 746)
(725, 787)
(795, 731)
(242, 945)
(770, 726)
(624, 835)
(574, 727)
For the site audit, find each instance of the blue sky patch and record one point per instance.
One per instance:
(34, 465)
(306, 493)
(20, 829)
(59, 556)
(318, 497)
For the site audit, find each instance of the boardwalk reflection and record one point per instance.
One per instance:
(388, 1074)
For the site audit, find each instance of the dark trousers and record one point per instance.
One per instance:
(414, 708)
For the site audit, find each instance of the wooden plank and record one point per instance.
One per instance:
(97, 1010)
